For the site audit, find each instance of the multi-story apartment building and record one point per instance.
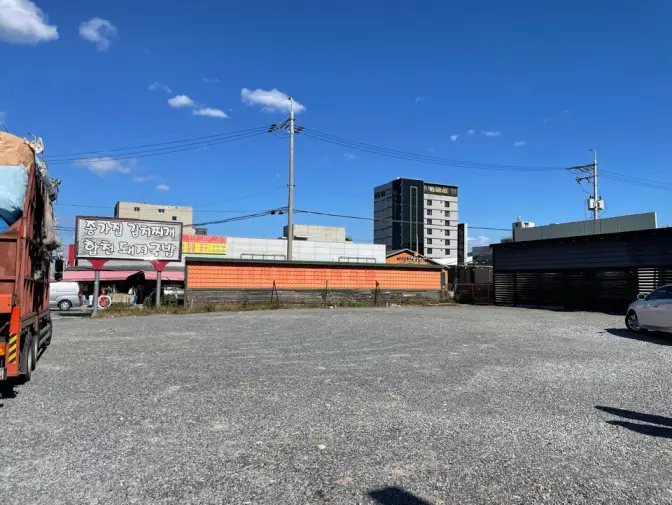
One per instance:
(151, 212)
(417, 215)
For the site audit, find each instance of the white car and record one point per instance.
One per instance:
(651, 312)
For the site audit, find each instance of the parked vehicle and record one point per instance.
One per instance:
(651, 312)
(174, 292)
(27, 240)
(65, 295)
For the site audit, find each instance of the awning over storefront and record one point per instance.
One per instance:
(120, 275)
(105, 275)
(150, 275)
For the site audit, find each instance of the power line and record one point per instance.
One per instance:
(269, 212)
(88, 154)
(161, 151)
(243, 197)
(265, 192)
(421, 158)
(365, 218)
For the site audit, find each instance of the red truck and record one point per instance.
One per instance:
(26, 247)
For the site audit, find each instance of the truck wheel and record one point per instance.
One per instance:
(64, 305)
(30, 361)
(36, 350)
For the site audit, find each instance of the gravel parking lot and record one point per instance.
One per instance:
(455, 405)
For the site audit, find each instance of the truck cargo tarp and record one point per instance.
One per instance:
(13, 184)
(14, 151)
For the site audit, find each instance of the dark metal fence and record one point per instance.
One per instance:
(475, 294)
(598, 273)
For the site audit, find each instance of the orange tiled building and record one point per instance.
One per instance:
(243, 274)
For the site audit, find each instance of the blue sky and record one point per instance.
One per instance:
(558, 77)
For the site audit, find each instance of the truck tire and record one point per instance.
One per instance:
(29, 352)
(64, 305)
(36, 350)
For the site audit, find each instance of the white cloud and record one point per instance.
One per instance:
(145, 178)
(566, 111)
(519, 143)
(478, 241)
(350, 156)
(163, 187)
(419, 99)
(209, 112)
(454, 137)
(100, 31)
(180, 101)
(492, 134)
(106, 165)
(23, 22)
(157, 85)
(471, 132)
(431, 150)
(210, 80)
(271, 101)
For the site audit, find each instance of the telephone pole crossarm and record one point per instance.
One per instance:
(595, 203)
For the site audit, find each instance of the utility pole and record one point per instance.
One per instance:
(595, 203)
(290, 203)
(594, 182)
(292, 129)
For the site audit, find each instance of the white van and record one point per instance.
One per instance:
(65, 295)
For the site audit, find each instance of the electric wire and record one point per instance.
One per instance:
(158, 152)
(217, 136)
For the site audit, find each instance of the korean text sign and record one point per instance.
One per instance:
(108, 238)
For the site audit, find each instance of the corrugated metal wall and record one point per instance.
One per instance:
(598, 273)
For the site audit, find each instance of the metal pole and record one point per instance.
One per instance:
(595, 210)
(158, 288)
(96, 291)
(290, 205)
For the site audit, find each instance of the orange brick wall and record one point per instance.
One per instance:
(259, 276)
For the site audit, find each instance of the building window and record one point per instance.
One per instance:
(447, 242)
(162, 211)
(447, 252)
(446, 204)
(429, 250)
(447, 213)
(174, 218)
(429, 212)
(429, 221)
(429, 240)
(429, 202)
(136, 209)
(446, 233)
(429, 231)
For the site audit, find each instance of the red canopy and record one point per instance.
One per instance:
(119, 275)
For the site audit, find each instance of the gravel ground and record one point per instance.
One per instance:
(461, 405)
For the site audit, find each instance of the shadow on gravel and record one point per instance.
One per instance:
(396, 496)
(8, 389)
(658, 426)
(75, 313)
(648, 336)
